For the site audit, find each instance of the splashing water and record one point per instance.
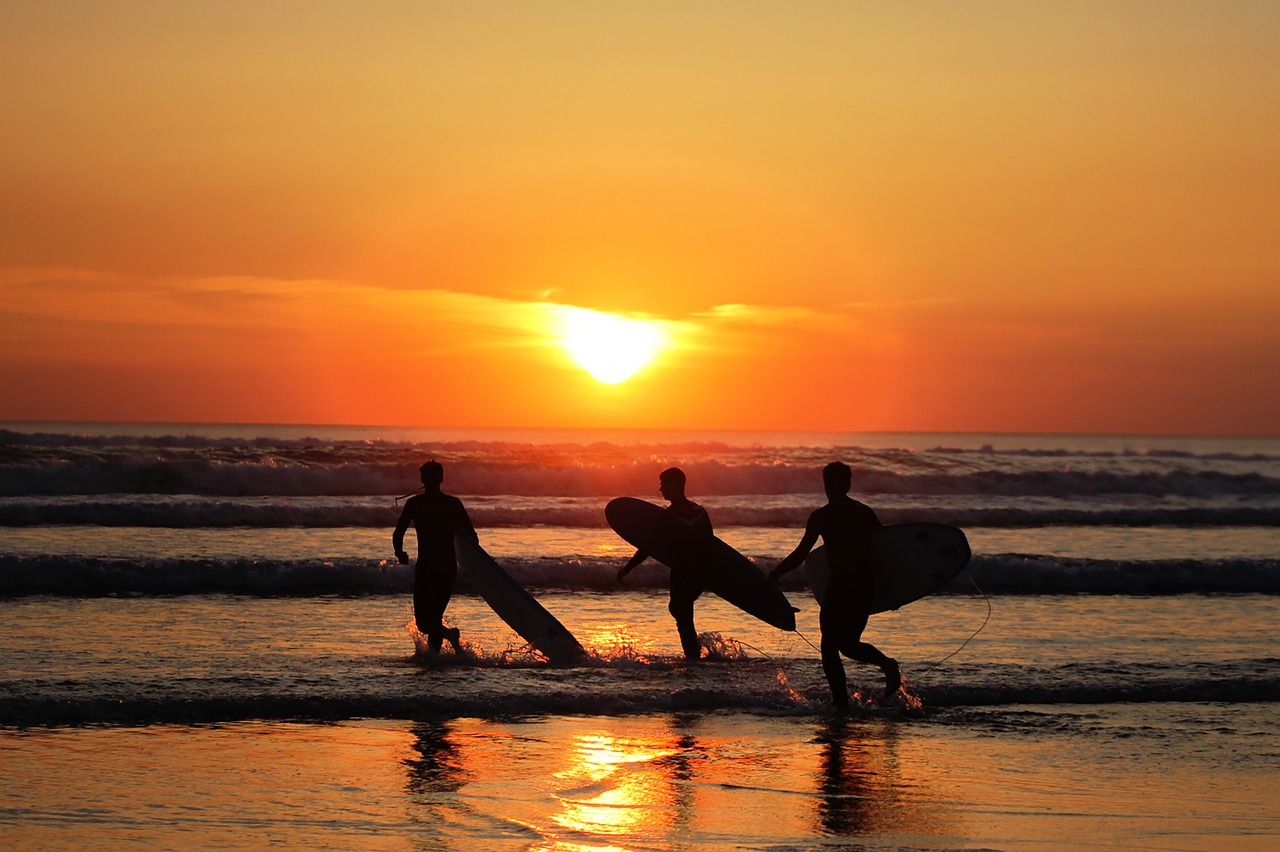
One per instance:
(721, 648)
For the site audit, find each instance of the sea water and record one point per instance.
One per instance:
(204, 641)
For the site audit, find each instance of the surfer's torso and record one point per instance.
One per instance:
(685, 524)
(846, 526)
(686, 528)
(436, 518)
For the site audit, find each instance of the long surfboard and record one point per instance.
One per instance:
(729, 574)
(514, 605)
(909, 561)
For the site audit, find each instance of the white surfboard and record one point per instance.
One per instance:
(514, 605)
(909, 561)
(729, 574)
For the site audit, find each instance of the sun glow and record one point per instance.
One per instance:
(609, 347)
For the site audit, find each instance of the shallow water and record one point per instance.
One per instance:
(226, 658)
(1050, 779)
(203, 644)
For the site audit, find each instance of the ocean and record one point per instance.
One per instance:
(205, 642)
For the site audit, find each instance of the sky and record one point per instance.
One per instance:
(929, 216)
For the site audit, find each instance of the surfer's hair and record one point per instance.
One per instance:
(672, 474)
(432, 472)
(837, 477)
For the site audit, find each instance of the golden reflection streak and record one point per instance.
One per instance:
(615, 642)
(617, 787)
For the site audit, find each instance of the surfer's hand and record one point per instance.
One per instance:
(623, 571)
(403, 557)
(772, 576)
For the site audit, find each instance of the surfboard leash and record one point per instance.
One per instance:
(807, 642)
(971, 635)
(784, 678)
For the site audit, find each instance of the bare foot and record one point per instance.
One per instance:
(892, 678)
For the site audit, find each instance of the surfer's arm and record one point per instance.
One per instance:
(397, 537)
(465, 528)
(664, 530)
(641, 555)
(795, 557)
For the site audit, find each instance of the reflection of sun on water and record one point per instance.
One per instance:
(609, 347)
(614, 643)
(613, 788)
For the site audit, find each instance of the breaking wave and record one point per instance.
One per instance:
(1004, 574)
(60, 464)
(190, 512)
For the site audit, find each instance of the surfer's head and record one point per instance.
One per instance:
(432, 473)
(671, 482)
(837, 478)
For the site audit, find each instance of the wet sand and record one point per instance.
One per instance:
(660, 782)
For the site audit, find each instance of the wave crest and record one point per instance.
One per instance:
(1002, 574)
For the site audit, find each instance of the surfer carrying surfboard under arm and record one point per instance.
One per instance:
(685, 529)
(846, 527)
(436, 517)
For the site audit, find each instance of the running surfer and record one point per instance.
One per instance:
(436, 517)
(686, 528)
(846, 526)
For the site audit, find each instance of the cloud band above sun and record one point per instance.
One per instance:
(332, 351)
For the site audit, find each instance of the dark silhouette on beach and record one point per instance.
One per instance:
(436, 517)
(845, 526)
(686, 529)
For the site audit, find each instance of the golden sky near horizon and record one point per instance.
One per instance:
(988, 216)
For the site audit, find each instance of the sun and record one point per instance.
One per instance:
(609, 347)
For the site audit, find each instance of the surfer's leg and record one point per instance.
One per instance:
(684, 591)
(864, 652)
(432, 590)
(832, 665)
(682, 611)
(833, 668)
(428, 609)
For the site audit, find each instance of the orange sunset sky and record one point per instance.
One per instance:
(982, 216)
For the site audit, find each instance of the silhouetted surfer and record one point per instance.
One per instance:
(686, 528)
(846, 526)
(436, 517)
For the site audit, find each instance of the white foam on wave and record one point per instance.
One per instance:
(51, 464)
(1004, 574)
(188, 512)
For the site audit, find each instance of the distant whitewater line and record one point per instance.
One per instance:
(1001, 574)
(54, 464)
(242, 478)
(316, 447)
(181, 512)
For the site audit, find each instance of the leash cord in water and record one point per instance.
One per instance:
(783, 678)
(971, 635)
(807, 642)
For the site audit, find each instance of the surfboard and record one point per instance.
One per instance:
(729, 574)
(514, 605)
(909, 561)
